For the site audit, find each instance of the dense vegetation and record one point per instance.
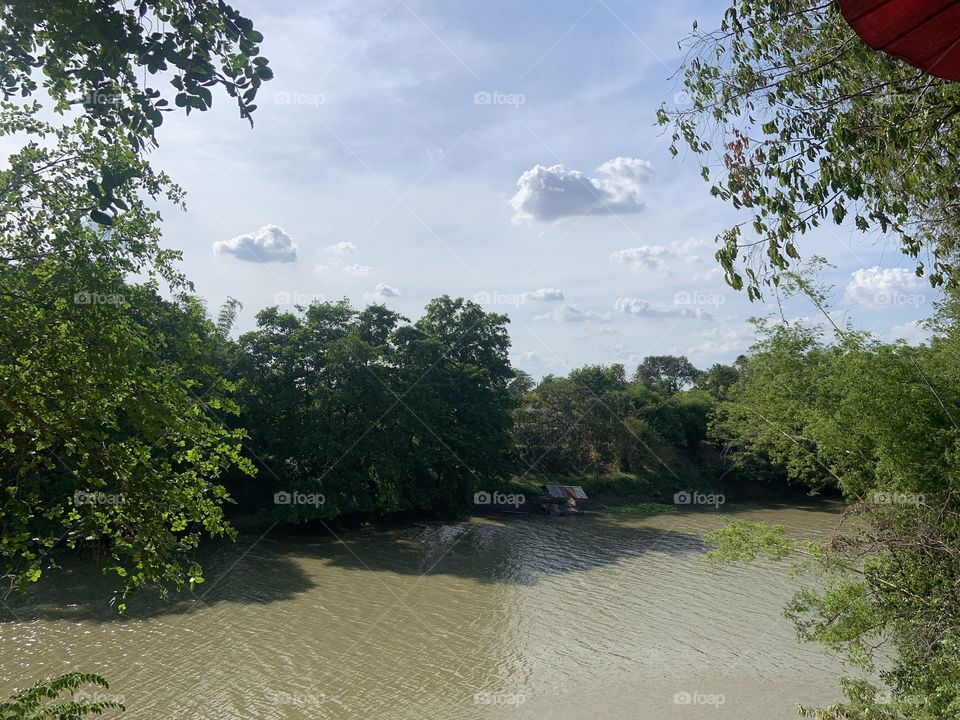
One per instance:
(798, 123)
(128, 417)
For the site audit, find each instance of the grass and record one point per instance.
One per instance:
(640, 508)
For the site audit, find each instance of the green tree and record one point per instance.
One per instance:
(799, 123)
(43, 700)
(669, 373)
(97, 54)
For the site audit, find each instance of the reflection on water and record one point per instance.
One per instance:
(599, 616)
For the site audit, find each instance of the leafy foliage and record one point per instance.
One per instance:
(106, 389)
(879, 422)
(798, 122)
(97, 54)
(374, 414)
(43, 700)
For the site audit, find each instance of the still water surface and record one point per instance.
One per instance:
(528, 618)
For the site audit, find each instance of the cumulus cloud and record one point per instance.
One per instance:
(357, 269)
(384, 291)
(874, 287)
(552, 193)
(569, 313)
(342, 248)
(270, 243)
(544, 294)
(320, 269)
(644, 257)
(641, 308)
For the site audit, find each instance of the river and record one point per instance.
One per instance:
(525, 617)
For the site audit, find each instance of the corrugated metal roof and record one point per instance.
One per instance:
(574, 492)
(925, 33)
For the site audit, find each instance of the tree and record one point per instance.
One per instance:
(43, 701)
(96, 55)
(670, 373)
(878, 421)
(799, 123)
(111, 436)
(374, 414)
(717, 379)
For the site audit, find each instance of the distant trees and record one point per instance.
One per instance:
(375, 414)
(668, 373)
(596, 421)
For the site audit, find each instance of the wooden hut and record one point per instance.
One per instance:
(563, 499)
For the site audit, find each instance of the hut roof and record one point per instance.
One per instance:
(574, 492)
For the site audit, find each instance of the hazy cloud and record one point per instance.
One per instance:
(544, 294)
(642, 308)
(569, 313)
(343, 248)
(357, 269)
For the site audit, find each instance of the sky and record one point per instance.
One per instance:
(499, 151)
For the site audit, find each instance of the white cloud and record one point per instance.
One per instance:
(569, 313)
(659, 257)
(624, 356)
(874, 288)
(342, 248)
(320, 269)
(384, 291)
(544, 294)
(722, 342)
(644, 257)
(357, 269)
(913, 332)
(537, 364)
(642, 308)
(551, 193)
(268, 244)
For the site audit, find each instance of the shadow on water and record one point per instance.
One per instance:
(520, 550)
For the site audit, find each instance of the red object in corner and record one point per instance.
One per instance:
(925, 33)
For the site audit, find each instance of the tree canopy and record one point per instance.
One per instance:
(798, 123)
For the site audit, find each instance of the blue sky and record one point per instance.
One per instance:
(504, 152)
